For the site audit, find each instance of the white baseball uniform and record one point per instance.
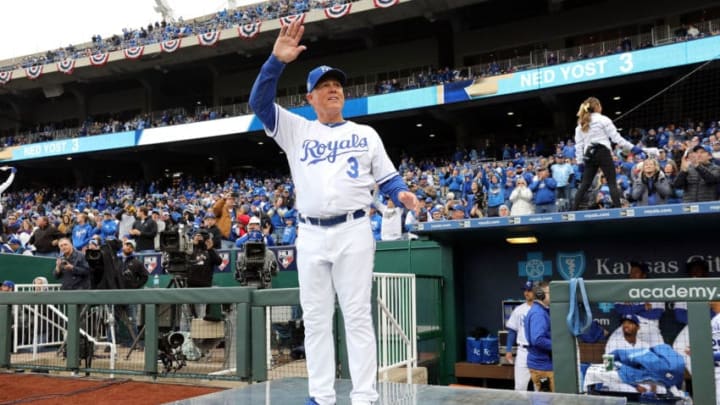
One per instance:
(516, 322)
(335, 168)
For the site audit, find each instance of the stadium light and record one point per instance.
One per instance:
(616, 98)
(510, 113)
(68, 158)
(521, 240)
(618, 112)
(519, 125)
(419, 125)
(432, 135)
(261, 143)
(210, 158)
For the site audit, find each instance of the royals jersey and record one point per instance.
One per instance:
(335, 167)
(516, 322)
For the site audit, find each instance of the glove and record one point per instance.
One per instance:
(636, 150)
(13, 170)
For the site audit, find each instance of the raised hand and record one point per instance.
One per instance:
(287, 45)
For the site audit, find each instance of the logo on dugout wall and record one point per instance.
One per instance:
(571, 265)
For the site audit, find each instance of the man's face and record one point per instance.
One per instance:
(65, 247)
(630, 328)
(127, 249)
(5, 288)
(253, 227)
(702, 156)
(327, 96)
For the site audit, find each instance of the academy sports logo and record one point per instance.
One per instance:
(5, 76)
(33, 72)
(66, 66)
(209, 38)
(287, 20)
(150, 263)
(249, 31)
(286, 257)
(571, 265)
(99, 59)
(315, 151)
(338, 10)
(385, 3)
(170, 45)
(134, 52)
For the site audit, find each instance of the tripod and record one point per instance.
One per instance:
(178, 281)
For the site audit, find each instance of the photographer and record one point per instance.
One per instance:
(203, 260)
(71, 267)
(132, 276)
(255, 226)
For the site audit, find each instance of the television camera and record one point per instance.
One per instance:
(176, 245)
(256, 264)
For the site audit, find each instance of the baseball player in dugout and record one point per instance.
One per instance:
(516, 334)
(335, 164)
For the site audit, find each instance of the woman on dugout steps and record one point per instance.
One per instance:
(594, 136)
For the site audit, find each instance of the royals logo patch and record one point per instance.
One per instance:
(571, 265)
(150, 263)
(286, 257)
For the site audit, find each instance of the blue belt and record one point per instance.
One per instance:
(331, 221)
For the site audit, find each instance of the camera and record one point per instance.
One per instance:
(175, 240)
(170, 351)
(256, 265)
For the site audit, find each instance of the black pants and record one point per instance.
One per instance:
(599, 159)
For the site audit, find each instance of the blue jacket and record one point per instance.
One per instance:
(537, 332)
(543, 191)
(495, 195)
(659, 364)
(81, 235)
(108, 228)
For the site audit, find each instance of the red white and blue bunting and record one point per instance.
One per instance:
(209, 38)
(134, 52)
(170, 45)
(5, 76)
(66, 66)
(385, 3)
(249, 31)
(33, 72)
(338, 10)
(289, 19)
(99, 59)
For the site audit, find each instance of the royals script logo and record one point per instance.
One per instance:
(314, 151)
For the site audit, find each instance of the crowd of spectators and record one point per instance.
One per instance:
(466, 184)
(162, 31)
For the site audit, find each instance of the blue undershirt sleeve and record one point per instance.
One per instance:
(262, 95)
(512, 335)
(392, 187)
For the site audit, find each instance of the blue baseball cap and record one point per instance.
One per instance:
(528, 286)
(321, 71)
(631, 318)
(8, 283)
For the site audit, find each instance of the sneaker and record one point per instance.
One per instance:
(311, 401)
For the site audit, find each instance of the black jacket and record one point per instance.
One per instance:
(132, 272)
(146, 239)
(43, 238)
(699, 183)
(202, 265)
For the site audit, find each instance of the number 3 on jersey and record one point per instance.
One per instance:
(353, 164)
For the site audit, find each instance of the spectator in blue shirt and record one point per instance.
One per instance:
(255, 225)
(81, 233)
(561, 172)
(544, 192)
(290, 231)
(495, 195)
